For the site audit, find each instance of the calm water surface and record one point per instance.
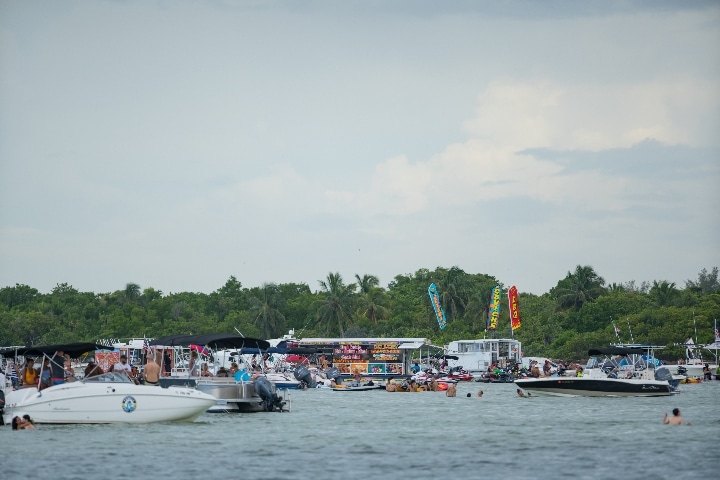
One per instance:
(361, 435)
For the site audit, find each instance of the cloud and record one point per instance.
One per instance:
(589, 139)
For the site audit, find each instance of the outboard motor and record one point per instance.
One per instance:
(334, 374)
(303, 374)
(266, 390)
(664, 375)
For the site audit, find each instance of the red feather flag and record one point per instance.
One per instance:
(514, 308)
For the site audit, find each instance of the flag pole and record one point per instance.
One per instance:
(616, 329)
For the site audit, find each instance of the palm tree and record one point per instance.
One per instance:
(367, 282)
(373, 305)
(663, 293)
(338, 298)
(476, 311)
(372, 300)
(132, 291)
(266, 310)
(579, 288)
(453, 291)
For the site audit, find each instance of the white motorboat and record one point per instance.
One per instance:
(107, 398)
(633, 376)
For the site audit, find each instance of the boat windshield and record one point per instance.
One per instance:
(109, 377)
(593, 362)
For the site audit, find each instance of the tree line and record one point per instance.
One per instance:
(579, 313)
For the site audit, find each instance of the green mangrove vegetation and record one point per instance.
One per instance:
(579, 313)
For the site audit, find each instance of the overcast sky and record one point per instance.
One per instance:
(174, 144)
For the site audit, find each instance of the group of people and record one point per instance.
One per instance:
(22, 423)
(149, 376)
(412, 385)
(54, 370)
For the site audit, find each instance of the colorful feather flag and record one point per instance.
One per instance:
(494, 313)
(514, 308)
(435, 300)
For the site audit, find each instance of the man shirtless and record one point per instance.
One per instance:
(390, 386)
(676, 419)
(151, 371)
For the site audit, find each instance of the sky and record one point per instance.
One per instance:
(174, 144)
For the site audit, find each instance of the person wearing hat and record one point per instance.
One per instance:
(92, 368)
(122, 367)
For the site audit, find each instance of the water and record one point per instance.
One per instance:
(362, 435)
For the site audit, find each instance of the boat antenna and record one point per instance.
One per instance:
(632, 340)
(696, 337)
(616, 329)
(239, 332)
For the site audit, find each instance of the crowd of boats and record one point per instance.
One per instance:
(232, 373)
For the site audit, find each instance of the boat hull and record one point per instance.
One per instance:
(79, 402)
(361, 388)
(595, 387)
(231, 396)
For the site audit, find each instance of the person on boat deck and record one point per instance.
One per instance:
(57, 367)
(152, 371)
(234, 368)
(69, 370)
(535, 371)
(12, 374)
(415, 368)
(706, 372)
(92, 369)
(45, 375)
(357, 378)
(122, 366)
(134, 375)
(579, 370)
(29, 375)
(222, 372)
(166, 363)
(676, 419)
(546, 368)
(193, 368)
(205, 371)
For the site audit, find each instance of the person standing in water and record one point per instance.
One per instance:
(676, 419)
